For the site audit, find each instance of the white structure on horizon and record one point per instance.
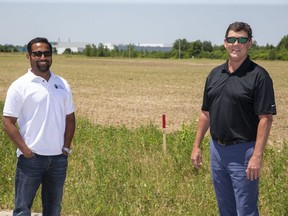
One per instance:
(152, 45)
(73, 46)
(109, 46)
(80, 46)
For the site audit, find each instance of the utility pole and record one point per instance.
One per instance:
(179, 48)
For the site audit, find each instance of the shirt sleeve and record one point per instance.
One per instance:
(205, 103)
(264, 102)
(69, 102)
(12, 106)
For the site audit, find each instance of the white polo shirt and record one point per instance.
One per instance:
(40, 108)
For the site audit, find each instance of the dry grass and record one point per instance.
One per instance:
(137, 92)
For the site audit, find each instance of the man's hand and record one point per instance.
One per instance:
(196, 157)
(28, 153)
(253, 170)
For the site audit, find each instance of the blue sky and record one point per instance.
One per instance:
(149, 21)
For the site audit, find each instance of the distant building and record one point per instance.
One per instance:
(73, 46)
(109, 46)
(147, 47)
(79, 47)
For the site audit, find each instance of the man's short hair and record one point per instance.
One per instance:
(38, 40)
(239, 26)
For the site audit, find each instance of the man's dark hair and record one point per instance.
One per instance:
(38, 40)
(240, 26)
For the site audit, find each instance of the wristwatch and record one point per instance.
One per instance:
(68, 150)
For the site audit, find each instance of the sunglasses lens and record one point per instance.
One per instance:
(48, 53)
(242, 40)
(231, 39)
(39, 53)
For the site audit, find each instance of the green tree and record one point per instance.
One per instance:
(54, 50)
(183, 43)
(100, 50)
(115, 52)
(269, 47)
(180, 48)
(88, 50)
(94, 50)
(283, 44)
(196, 48)
(207, 46)
(272, 54)
(67, 51)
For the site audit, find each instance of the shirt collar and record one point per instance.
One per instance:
(33, 77)
(243, 67)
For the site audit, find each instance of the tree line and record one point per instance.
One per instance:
(181, 48)
(197, 49)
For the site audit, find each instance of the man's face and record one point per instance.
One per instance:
(237, 45)
(40, 58)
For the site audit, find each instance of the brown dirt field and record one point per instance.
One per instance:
(134, 92)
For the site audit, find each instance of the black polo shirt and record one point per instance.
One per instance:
(234, 100)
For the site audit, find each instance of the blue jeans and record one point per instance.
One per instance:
(236, 195)
(50, 171)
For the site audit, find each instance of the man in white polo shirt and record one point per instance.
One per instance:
(39, 118)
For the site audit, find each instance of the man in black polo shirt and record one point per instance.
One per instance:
(238, 105)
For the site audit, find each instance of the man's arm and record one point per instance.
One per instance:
(9, 124)
(203, 125)
(254, 166)
(69, 130)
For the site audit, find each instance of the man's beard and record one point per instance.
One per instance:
(43, 68)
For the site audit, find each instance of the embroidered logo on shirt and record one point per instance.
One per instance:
(58, 86)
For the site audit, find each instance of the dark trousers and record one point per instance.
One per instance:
(50, 171)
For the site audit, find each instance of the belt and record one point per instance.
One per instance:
(229, 142)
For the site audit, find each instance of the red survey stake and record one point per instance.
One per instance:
(163, 121)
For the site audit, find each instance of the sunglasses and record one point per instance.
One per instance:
(39, 53)
(241, 40)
